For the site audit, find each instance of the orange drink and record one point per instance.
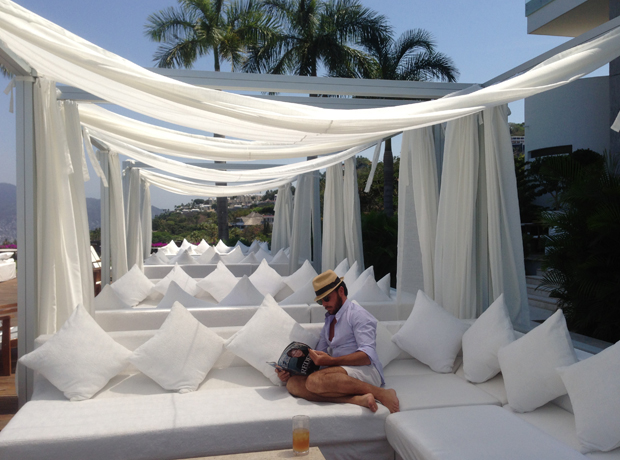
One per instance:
(301, 434)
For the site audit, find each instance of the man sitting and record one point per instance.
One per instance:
(350, 369)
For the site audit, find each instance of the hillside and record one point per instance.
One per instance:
(8, 212)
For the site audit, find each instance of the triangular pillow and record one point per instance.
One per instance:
(249, 259)
(133, 287)
(243, 247)
(182, 279)
(171, 248)
(219, 282)
(369, 292)
(352, 274)
(161, 253)
(301, 276)
(183, 258)
(243, 294)
(185, 244)
(263, 255)
(233, 257)
(265, 246)
(202, 247)
(176, 294)
(342, 268)
(221, 247)
(359, 282)
(153, 259)
(206, 256)
(266, 279)
(384, 284)
(108, 300)
(254, 247)
(279, 258)
(303, 296)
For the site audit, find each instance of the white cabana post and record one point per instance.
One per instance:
(301, 238)
(118, 232)
(352, 215)
(135, 255)
(282, 220)
(146, 218)
(334, 247)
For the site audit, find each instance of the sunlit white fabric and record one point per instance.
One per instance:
(134, 226)
(282, 220)
(118, 231)
(146, 219)
(352, 215)
(301, 239)
(334, 248)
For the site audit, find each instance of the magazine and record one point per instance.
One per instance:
(296, 359)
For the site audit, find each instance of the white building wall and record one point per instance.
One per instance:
(576, 114)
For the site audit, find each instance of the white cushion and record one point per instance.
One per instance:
(369, 291)
(431, 334)
(180, 353)
(249, 259)
(219, 282)
(302, 296)
(361, 280)
(385, 284)
(154, 259)
(265, 336)
(342, 268)
(594, 389)
(177, 294)
(529, 364)
(491, 331)
(202, 247)
(133, 287)
(387, 350)
(352, 274)
(263, 255)
(254, 247)
(171, 248)
(183, 258)
(222, 248)
(6, 255)
(244, 293)
(186, 245)
(161, 254)
(207, 255)
(178, 275)
(283, 293)
(301, 276)
(266, 279)
(265, 246)
(80, 358)
(243, 247)
(280, 258)
(107, 299)
(233, 257)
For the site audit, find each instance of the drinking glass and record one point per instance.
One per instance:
(301, 434)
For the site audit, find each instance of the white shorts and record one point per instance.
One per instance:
(368, 374)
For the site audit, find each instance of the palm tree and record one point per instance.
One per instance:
(317, 33)
(413, 58)
(198, 28)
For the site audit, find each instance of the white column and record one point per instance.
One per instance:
(105, 221)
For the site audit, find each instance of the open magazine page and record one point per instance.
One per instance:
(296, 359)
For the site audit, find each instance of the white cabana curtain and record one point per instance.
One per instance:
(118, 231)
(506, 263)
(301, 237)
(282, 220)
(135, 255)
(334, 246)
(455, 256)
(418, 197)
(352, 215)
(146, 218)
(62, 231)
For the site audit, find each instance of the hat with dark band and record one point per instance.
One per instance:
(325, 283)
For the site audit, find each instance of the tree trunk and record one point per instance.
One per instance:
(388, 179)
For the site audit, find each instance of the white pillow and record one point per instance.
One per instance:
(361, 280)
(280, 258)
(283, 293)
(107, 299)
(254, 247)
(171, 248)
(352, 274)
(265, 246)
(384, 284)
(222, 248)
(219, 282)
(182, 279)
(183, 258)
(491, 331)
(154, 259)
(369, 292)
(202, 247)
(249, 259)
(206, 257)
(302, 296)
(161, 254)
(594, 389)
(387, 350)
(80, 358)
(186, 245)
(6, 255)
(265, 336)
(243, 247)
(177, 294)
(233, 257)
(180, 353)
(266, 279)
(431, 334)
(342, 268)
(243, 294)
(133, 287)
(528, 364)
(301, 276)
(263, 255)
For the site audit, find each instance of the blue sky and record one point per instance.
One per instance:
(484, 38)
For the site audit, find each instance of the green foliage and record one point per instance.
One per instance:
(95, 235)
(517, 129)
(374, 200)
(526, 190)
(380, 239)
(269, 195)
(583, 250)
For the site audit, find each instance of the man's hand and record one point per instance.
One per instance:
(283, 375)
(320, 358)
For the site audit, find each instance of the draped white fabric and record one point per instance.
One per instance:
(506, 264)
(68, 59)
(352, 215)
(282, 221)
(146, 219)
(135, 255)
(418, 197)
(455, 258)
(301, 238)
(59, 260)
(118, 231)
(334, 247)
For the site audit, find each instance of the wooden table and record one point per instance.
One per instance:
(314, 454)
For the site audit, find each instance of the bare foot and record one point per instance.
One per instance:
(390, 400)
(367, 400)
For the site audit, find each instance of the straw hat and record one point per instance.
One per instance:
(325, 283)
